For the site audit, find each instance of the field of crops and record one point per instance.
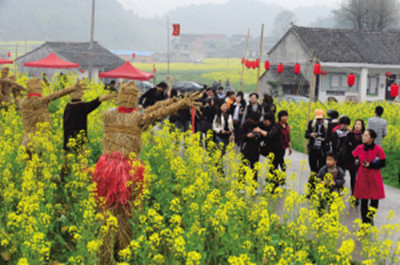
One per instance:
(189, 213)
(208, 71)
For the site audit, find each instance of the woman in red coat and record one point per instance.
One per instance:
(369, 183)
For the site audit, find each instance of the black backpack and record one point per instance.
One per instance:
(343, 147)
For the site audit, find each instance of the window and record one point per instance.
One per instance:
(336, 81)
(373, 85)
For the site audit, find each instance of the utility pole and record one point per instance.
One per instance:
(260, 58)
(168, 46)
(244, 58)
(91, 42)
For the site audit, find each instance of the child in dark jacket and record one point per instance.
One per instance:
(332, 176)
(337, 181)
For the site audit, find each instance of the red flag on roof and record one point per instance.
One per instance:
(176, 29)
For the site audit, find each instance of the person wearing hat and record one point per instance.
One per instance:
(153, 95)
(318, 135)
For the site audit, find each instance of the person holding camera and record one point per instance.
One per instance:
(369, 184)
(153, 95)
(318, 135)
(272, 142)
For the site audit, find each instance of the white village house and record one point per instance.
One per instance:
(369, 55)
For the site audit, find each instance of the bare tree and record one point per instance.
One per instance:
(368, 15)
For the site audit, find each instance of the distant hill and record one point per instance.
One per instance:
(52, 20)
(119, 28)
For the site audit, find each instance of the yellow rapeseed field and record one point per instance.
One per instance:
(189, 212)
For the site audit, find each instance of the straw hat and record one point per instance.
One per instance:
(128, 95)
(34, 85)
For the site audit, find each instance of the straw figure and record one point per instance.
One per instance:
(34, 107)
(8, 86)
(115, 169)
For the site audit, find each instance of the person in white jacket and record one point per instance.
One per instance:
(223, 127)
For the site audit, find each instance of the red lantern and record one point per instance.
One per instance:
(388, 74)
(394, 90)
(9, 54)
(323, 72)
(257, 63)
(317, 69)
(242, 62)
(82, 70)
(254, 64)
(297, 69)
(267, 65)
(247, 64)
(351, 79)
(154, 69)
(280, 68)
(133, 55)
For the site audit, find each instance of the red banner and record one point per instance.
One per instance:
(176, 29)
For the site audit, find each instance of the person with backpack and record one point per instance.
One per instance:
(340, 142)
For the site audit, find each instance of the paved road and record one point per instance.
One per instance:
(392, 201)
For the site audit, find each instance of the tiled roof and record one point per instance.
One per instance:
(78, 52)
(345, 45)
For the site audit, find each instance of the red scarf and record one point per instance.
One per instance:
(34, 95)
(126, 110)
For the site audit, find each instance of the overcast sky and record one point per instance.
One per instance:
(151, 8)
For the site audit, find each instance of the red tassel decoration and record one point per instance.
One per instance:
(111, 175)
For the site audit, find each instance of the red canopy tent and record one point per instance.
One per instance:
(51, 61)
(127, 71)
(4, 61)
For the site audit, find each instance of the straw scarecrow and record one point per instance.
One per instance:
(34, 107)
(115, 169)
(8, 86)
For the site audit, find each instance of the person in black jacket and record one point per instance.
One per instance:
(153, 95)
(250, 137)
(207, 113)
(75, 117)
(272, 141)
(253, 106)
(182, 118)
(319, 136)
(268, 104)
